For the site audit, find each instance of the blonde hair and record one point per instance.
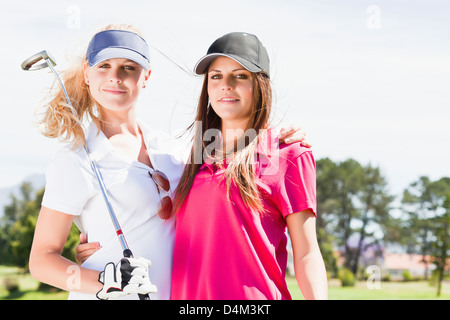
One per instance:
(240, 170)
(57, 118)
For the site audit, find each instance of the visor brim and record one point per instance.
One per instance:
(115, 53)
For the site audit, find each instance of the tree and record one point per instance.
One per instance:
(18, 224)
(351, 199)
(416, 203)
(426, 204)
(440, 191)
(325, 169)
(442, 244)
(419, 204)
(374, 209)
(337, 188)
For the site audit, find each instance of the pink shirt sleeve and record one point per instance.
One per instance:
(298, 188)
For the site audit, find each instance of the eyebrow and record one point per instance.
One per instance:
(240, 69)
(126, 60)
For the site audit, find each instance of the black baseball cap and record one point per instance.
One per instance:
(244, 48)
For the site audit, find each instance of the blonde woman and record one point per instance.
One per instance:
(234, 206)
(104, 88)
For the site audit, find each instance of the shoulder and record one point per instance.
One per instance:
(269, 145)
(284, 160)
(68, 155)
(69, 182)
(294, 151)
(68, 161)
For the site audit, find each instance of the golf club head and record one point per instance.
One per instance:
(32, 64)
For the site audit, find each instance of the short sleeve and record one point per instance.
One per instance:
(68, 185)
(298, 188)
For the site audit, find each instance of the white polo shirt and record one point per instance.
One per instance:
(72, 188)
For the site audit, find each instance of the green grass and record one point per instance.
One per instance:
(420, 290)
(28, 287)
(417, 290)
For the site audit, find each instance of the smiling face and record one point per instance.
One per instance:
(230, 91)
(115, 83)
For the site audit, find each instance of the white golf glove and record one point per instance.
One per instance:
(129, 276)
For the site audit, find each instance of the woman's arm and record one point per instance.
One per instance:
(46, 263)
(308, 262)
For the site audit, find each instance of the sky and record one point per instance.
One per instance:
(367, 80)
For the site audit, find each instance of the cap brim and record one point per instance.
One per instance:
(203, 64)
(114, 53)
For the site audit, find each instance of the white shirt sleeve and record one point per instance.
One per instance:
(68, 184)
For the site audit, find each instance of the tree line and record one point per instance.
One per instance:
(357, 217)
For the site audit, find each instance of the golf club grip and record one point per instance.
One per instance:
(128, 254)
(144, 296)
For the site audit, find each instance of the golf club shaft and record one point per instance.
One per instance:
(60, 82)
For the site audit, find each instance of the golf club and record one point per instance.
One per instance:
(32, 64)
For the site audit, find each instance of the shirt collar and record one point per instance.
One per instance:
(100, 146)
(268, 146)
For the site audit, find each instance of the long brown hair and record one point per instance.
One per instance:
(56, 119)
(240, 169)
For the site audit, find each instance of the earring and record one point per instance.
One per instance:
(144, 85)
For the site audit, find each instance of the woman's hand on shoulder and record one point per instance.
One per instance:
(291, 134)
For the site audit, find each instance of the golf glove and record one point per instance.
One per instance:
(130, 275)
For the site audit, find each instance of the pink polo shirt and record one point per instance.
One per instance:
(224, 251)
